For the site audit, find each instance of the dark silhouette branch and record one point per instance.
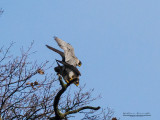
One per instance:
(58, 114)
(80, 109)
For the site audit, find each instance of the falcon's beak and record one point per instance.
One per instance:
(77, 84)
(79, 64)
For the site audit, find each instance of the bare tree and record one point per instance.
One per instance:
(28, 92)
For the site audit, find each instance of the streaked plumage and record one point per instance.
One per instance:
(68, 72)
(71, 67)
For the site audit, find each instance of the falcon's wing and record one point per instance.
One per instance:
(68, 50)
(70, 67)
(57, 51)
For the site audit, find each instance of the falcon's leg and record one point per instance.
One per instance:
(67, 81)
(71, 78)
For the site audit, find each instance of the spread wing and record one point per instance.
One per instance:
(57, 51)
(70, 67)
(70, 57)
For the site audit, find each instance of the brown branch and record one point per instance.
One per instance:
(80, 109)
(6, 52)
(58, 114)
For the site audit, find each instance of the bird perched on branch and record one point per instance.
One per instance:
(69, 61)
(68, 72)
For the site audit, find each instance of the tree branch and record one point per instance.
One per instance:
(58, 114)
(80, 109)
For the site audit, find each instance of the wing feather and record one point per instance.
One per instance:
(70, 67)
(57, 51)
(68, 51)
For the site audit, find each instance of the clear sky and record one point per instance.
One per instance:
(118, 42)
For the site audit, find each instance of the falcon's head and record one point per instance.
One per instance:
(79, 63)
(76, 82)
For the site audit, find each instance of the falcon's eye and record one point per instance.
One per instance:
(79, 64)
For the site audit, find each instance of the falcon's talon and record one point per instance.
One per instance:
(67, 81)
(71, 79)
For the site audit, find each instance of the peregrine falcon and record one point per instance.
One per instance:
(68, 72)
(68, 55)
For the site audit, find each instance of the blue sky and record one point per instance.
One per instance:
(118, 42)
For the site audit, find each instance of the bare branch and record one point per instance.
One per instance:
(58, 114)
(28, 91)
(80, 109)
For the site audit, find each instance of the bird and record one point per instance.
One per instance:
(68, 72)
(68, 55)
(69, 61)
